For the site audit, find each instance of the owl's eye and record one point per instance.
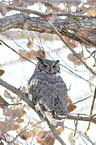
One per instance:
(54, 66)
(44, 66)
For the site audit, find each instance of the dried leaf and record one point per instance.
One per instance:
(71, 42)
(39, 53)
(40, 135)
(3, 8)
(74, 59)
(71, 106)
(19, 120)
(14, 113)
(32, 54)
(43, 138)
(92, 12)
(60, 130)
(13, 126)
(1, 72)
(10, 120)
(4, 127)
(14, 107)
(6, 94)
(2, 102)
(69, 100)
(25, 135)
(47, 137)
(48, 140)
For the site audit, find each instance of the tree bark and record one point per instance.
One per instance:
(40, 25)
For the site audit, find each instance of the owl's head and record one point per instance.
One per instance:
(48, 66)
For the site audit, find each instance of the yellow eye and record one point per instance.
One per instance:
(54, 66)
(44, 66)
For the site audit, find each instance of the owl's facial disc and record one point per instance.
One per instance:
(48, 66)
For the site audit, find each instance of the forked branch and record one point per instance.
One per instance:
(27, 100)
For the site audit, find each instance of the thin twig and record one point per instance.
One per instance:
(76, 74)
(11, 62)
(54, 132)
(82, 100)
(93, 101)
(16, 51)
(34, 63)
(87, 9)
(60, 36)
(80, 133)
(22, 130)
(10, 104)
(27, 100)
(13, 7)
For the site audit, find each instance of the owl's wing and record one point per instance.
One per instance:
(60, 99)
(41, 92)
(53, 97)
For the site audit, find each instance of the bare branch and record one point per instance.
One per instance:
(65, 42)
(27, 100)
(40, 25)
(13, 7)
(34, 63)
(93, 101)
(91, 119)
(16, 51)
(10, 104)
(82, 100)
(80, 133)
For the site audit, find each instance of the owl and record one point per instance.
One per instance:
(47, 89)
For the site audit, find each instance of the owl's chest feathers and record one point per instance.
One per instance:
(51, 79)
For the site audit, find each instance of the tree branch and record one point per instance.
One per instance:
(40, 25)
(27, 100)
(66, 43)
(93, 101)
(13, 7)
(91, 119)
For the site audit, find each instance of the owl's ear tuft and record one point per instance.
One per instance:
(57, 61)
(40, 59)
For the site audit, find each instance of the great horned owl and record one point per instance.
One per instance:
(47, 89)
